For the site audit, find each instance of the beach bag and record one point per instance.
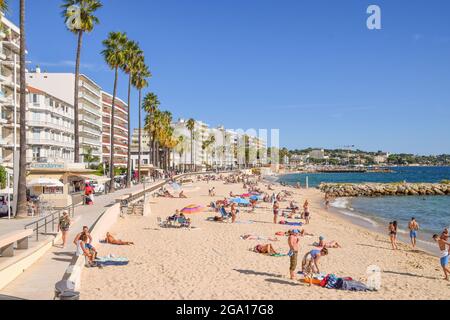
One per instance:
(331, 283)
(324, 281)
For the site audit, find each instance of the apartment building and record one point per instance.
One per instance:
(145, 148)
(50, 128)
(9, 89)
(120, 130)
(61, 86)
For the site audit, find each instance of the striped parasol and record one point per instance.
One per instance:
(193, 208)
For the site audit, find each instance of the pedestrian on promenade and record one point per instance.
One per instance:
(63, 226)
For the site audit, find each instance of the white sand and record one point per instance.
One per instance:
(214, 263)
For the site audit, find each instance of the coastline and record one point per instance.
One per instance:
(212, 262)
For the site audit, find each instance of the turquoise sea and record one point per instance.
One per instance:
(432, 212)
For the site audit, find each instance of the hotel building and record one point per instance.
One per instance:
(50, 132)
(9, 89)
(120, 130)
(61, 86)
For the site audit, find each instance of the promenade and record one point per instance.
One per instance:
(37, 282)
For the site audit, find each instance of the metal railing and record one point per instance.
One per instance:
(48, 222)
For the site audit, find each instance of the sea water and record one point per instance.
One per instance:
(431, 212)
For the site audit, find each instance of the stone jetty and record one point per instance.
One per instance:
(384, 189)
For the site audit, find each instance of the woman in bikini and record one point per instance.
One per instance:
(393, 234)
(111, 240)
(265, 249)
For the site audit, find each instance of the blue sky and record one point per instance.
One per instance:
(309, 68)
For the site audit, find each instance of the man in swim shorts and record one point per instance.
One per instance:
(444, 248)
(293, 251)
(413, 228)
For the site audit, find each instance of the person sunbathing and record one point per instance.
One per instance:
(111, 240)
(167, 194)
(182, 195)
(265, 249)
(330, 244)
(253, 237)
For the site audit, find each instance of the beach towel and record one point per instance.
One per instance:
(278, 255)
(112, 261)
(294, 224)
(245, 222)
(351, 285)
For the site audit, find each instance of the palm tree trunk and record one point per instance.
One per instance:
(192, 151)
(22, 192)
(129, 135)
(75, 103)
(113, 113)
(140, 137)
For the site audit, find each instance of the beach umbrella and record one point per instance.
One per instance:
(193, 208)
(255, 198)
(240, 201)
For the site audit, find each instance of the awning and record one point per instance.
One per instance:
(45, 182)
(46, 176)
(99, 179)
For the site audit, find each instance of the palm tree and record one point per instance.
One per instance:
(190, 125)
(22, 192)
(133, 57)
(4, 6)
(139, 81)
(151, 106)
(87, 22)
(114, 54)
(181, 148)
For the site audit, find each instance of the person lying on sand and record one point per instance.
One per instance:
(301, 233)
(330, 244)
(265, 249)
(253, 237)
(111, 240)
(167, 194)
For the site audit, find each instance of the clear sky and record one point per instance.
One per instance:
(310, 68)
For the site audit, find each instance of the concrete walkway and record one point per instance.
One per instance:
(38, 282)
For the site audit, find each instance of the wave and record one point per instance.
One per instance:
(343, 206)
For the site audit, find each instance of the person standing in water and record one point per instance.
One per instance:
(413, 228)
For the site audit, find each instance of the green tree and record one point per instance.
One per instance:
(114, 55)
(139, 81)
(88, 19)
(133, 62)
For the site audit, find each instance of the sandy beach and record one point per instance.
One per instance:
(212, 262)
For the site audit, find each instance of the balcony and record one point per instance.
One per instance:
(95, 123)
(95, 102)
(90, 88)
(12, 44)
(50, 125)
(91, 142)
(42, 107)
(91, 131)
(50, 142)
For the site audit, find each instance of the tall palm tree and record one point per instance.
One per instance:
(88, 20)
(114, 55)
(139, 81)
(22, 192)
(190, 125)
(133, 57)
(181, 148)
(151, 106)
(4, 6)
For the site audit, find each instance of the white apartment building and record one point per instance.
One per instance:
(9, 89)
(50, 133)
(61, 86)
(120, 130)
(145, 148)
(224, 153)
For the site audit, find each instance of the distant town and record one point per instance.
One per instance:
(354, 157)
